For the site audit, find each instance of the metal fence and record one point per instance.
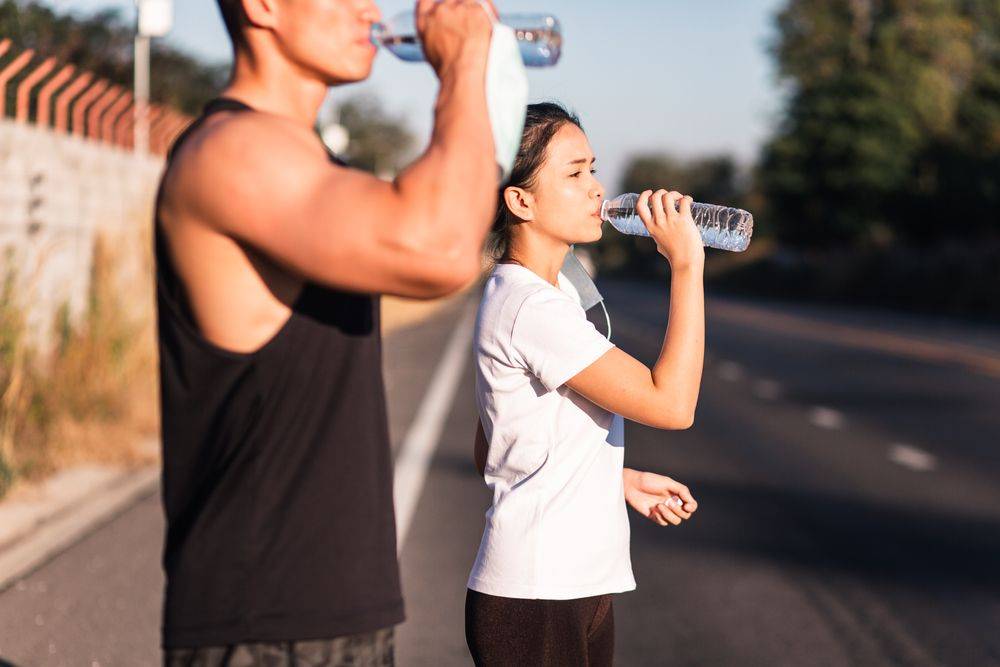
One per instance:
(69, 172)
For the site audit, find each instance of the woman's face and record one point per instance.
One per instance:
(567, 195)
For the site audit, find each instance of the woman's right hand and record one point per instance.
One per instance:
(676, 235)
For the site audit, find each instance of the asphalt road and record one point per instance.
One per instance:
(847, 464)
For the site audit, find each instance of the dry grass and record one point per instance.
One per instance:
(93, 397)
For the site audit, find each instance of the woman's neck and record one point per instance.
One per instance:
(544, 259)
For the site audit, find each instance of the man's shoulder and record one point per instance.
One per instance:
(242, 155)
(245, 140)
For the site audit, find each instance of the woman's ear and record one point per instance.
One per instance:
(520, 202)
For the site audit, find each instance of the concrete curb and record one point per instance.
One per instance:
(56, 525)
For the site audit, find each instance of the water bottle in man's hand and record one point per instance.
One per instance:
(539, 36)
(720, 226)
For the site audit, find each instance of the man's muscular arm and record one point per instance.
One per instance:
(266, 181)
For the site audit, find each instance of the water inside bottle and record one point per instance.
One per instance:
(723, 239)
(616, 212)
(539, 47)
(405, 47)
(720, 227)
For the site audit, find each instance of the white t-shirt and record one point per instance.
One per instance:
(558, 527)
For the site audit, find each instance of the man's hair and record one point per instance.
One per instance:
(541, 123)
(235, 19)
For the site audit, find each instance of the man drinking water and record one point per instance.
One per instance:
(271, 255)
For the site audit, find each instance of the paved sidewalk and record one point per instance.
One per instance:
(38, 522)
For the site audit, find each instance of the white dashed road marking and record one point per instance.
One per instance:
(910, 457)
(730, 371)
(826, 418)
(767, 389)
(901, 454)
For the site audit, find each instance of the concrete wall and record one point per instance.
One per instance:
(57, 193)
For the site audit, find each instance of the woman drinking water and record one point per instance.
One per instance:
(551, 393)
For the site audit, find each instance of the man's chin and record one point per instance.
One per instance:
(349, 76)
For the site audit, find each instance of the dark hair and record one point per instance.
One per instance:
(541, 123)
(235, 19)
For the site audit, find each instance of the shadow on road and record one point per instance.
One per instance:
(916, 547)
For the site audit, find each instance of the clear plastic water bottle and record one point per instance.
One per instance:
(538, 35)
(720, 226)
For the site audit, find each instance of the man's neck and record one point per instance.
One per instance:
(276, 86)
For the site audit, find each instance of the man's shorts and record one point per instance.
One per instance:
(370, 649)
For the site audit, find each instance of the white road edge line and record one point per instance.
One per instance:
(769, 390)
(911, 457)
(55, 535)
(421, 441)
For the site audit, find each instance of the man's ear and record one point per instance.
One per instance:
(261, 13)
(520, 202)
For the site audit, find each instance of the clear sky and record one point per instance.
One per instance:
(690, 77)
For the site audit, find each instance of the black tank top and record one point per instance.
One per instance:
(277, 473)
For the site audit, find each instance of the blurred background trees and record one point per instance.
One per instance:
(881, 182)
(892, 129)
(102, 43)
(378, 142)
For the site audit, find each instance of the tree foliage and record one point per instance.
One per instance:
(102, 43)
(892, 129)
(379, 142)
(709, 179)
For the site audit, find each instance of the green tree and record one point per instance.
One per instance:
(958, 172)
(707, 179)
(379, 142)
(892, 112)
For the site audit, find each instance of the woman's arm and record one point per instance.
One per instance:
(481, 448)
(666, 395)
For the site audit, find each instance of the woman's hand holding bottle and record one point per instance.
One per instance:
(675, 232)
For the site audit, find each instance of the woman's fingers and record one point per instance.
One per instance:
(676, 506)
(670, 203)
(690, 504)
(659, 214)
(686, 202)
(668, 515)
(653, 514)
(642, 208)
